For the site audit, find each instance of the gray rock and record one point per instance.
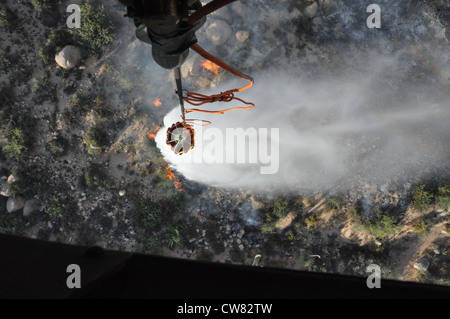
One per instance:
(14, 203)
(422, 264)
(12, 178)
(224, 14)
(5, 189)
(219, 32)
(242, 35)
(239, 9)
(30, 207)
(328, 6)
(311, 10)
(68, 57)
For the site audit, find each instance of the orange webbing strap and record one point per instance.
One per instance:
(207, 9)
(192, 121)
(227, 96)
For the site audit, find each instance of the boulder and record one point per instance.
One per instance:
(14, 203)
(422, 264)
(311, 10)
(5, 189)
(219, 32)
(69, 57)
(224, 14)
(30, 207)
(328, 6)
(239, 9)
(12, 178)
(242, 35)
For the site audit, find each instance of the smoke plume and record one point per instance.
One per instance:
(375, 112)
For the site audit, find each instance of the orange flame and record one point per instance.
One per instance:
(153, 135)
(157, 102)
(171, 176)
(211, 66)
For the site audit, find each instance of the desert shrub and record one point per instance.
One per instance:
(16, 137)
(56, 40)
(8, 19)
(332, 204)
(312, 221)
(152, 246)
(443, 197)
(127, 76)
(150, 216)
(14, 148)
(4, 23)
(280, 210)
(40, 85)
(95, 139)
(96, 178)
(57, 208)
(42, 5)
(421, 199)
(173, 236)
(381, 226)
(56, 146)
(419, 226)
(96, 31)
(10, 224)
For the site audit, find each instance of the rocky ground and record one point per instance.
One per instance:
(77, 166)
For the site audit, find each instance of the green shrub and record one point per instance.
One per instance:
(56, 146)
(10, 224)
(4, 23)
(443, 197)
(279, 210)
(14, 148)
(127, 76)
(42, 5)
(96, 30)
(152, 246)
(57, 209)
(150, 216)
(96, 178)
(332, 204)
(312, 221)
(8, 19)
(40, 85)
(381, 226)
(95, 139)
(421, 199)
(419, 226)
(173, 236)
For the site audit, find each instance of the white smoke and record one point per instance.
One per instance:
(382, 116)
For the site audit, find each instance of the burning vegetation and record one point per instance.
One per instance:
(152, 135)
(210, 66)
(171, 176)
(157, 102)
